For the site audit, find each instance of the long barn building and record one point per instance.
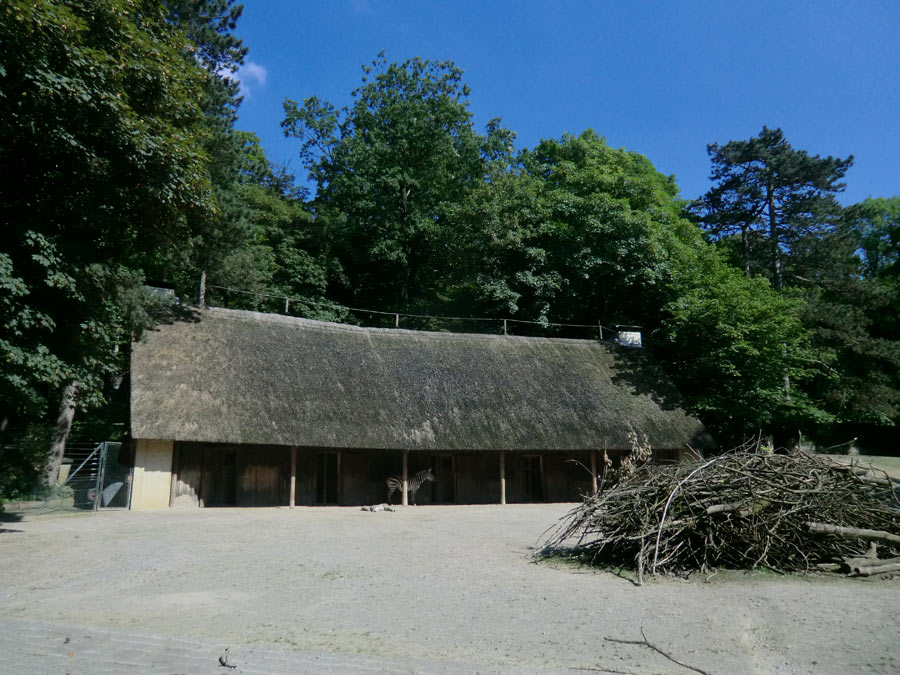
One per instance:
(235, 408)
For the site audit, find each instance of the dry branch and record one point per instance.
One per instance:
(854, 532)
(646, 643)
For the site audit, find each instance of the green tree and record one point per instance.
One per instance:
(767, 191)
(852, 312)
(730, 341)
(102, 168)
(574, 231)
(873, 226)
(223, 233)
(284, 253)
(389, 168)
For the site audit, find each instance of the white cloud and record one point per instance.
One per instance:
(250, 76)
(254, 72)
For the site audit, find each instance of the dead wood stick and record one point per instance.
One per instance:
(723, 508)
(854, 532)
(856, 565)
(744, 509)
(875, 481)
(878, 569)
(646, 643)
(869, 562)
(851, 468)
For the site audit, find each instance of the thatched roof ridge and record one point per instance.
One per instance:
(244, 377)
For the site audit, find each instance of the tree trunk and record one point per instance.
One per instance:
(777, 280)
(787, 379)
(63, 426)
(4, 424)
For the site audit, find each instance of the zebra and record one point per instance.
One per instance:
(415, 482)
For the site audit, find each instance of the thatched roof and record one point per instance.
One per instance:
(243, 377)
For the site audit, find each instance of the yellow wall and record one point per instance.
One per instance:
(152, 475)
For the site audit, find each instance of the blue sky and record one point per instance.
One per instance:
(660, 78)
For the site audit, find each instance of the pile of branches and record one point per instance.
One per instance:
(740, 510)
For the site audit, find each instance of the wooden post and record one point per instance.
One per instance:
(502, 476)
(397, 325)
(173, 486)
(202, 298)
(594, 471)
(504, 326)
(287, 306)
(405, 501)
(600, 325)
(293, 476)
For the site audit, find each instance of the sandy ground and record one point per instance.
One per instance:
(447, 587)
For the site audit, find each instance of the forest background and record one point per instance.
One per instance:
(773, 307)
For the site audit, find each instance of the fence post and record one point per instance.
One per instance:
(502, 477)
(100, 471)
(600, 325)
(287, 306)
(396, 321)
(201, 300)
(504, 326)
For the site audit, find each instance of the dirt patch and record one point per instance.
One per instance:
(447, 584)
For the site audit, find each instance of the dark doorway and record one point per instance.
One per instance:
(444, 489)
(533, 477)
(327, 472)
(220, 482)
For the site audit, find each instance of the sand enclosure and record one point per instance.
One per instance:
(449, 587)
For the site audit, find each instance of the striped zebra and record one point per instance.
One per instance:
(415, 482)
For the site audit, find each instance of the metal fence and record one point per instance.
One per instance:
(93, 477)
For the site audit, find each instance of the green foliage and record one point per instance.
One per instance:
(574, 231)
(729, 341)
(23, 466)
(771, 196)
(773, 207)
(102, 167)
(852, 311)
(389, 168)
(283, 252)
(856, 331)
(616, 227)
(874, 228)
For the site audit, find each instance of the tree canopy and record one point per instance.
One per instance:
(772, 195)
(389, 169)
(102, 165)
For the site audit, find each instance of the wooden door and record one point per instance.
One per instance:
(261, 471)
(327, 477)
(219, 477)
(444, 469)
(533, 477)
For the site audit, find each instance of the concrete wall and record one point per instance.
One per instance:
(152, 475)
